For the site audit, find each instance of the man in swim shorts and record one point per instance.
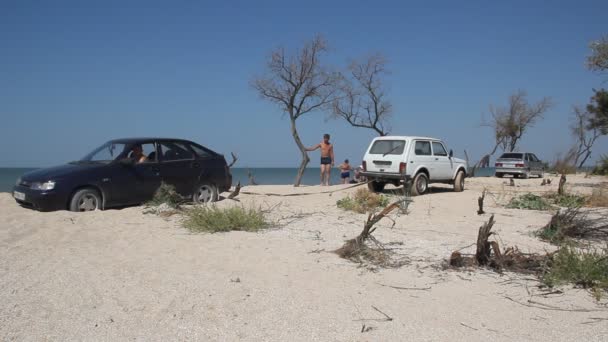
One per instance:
(327, 158)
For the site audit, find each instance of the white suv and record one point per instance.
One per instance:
(411, 160)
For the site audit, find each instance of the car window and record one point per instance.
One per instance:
(387, 147)
(200, 151)
(423, 148)
(150, 152)
(512, 156)
(438, 149)
(172, 151)
(533, 157)
(105, 153)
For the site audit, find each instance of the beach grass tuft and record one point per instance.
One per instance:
(363, 201)
(529, 202)
(585, 268)
(166, 194)
(211, 219)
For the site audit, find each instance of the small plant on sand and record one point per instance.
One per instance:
(573, 223)
(166, 194)
(585, 268)
(363, 201)
(601, 169)
(598, 198)
(529, 202)
(567, 200)
(212, 219)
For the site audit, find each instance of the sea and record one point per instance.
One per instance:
(261, 175)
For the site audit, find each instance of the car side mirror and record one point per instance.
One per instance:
(451, 153)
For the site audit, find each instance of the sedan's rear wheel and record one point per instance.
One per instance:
(500, 174)
(205, 193)
(85, 200)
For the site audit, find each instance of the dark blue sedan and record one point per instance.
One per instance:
(125, 172)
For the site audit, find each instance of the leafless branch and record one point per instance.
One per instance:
(362, 101)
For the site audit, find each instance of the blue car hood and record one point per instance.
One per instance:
(61, 171)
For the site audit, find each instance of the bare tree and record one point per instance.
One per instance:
(362, 101)
(299, 84)
(585, 135)
(511, 122)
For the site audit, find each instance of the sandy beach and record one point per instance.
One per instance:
(125, 275)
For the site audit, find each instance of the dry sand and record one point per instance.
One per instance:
(125, 275)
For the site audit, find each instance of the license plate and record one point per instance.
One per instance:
(19, 195)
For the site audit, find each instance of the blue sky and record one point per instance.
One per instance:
(74, 74)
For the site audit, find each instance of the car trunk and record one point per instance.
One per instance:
(386, 156)
(509, 162)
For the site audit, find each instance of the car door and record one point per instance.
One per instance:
(537, 165)
(423, 157)
(136, 182)
(443, 163)
(178, 166)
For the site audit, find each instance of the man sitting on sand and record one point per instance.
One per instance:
(327, 158)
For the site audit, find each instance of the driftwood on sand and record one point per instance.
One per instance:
(488, 254)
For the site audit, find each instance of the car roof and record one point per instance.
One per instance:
(405, 137)
(144, 139)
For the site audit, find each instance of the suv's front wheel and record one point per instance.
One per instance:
(376, 186)
(459, 182)
(420, 185)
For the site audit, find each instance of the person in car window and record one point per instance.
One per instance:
(327, 158)
(137, 154)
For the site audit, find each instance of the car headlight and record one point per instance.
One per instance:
(50, 185)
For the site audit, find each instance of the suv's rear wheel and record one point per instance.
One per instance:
(420, 184)
(205, 193)
(459, 182)
(85, 200)
(375, 186)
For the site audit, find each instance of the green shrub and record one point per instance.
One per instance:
(529, 202)
(363, 201)
(166, 194)
(586, 268)
(601, 168)
(212, 219)
(567, 200)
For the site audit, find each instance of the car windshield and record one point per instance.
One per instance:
(106, 153)
(387, 147)
(512, 156)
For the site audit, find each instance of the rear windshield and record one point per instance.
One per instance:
(387, 147)
(512, 156)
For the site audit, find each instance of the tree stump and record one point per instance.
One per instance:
(562, 184)
(236, 191)
(482, 255)
(480, 203)
(251, 179)
(512, 182)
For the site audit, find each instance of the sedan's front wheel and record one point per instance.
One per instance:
(85, 200)
(205, 193)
